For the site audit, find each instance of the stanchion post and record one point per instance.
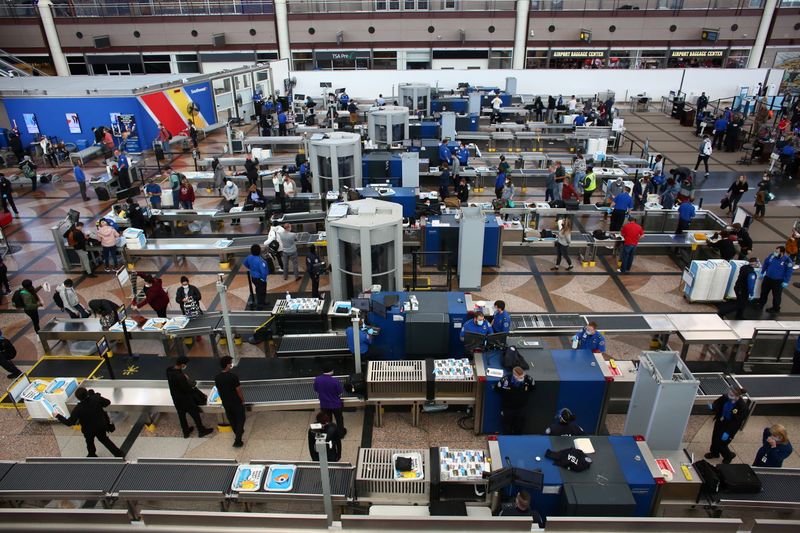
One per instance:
(321, 445)
(222, 290)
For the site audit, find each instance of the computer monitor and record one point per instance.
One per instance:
(362, 304)
(474, 340)
(379, 308)
(73, 216)
(391, 300)
(529, 479)
(500, 480)
(497, 340)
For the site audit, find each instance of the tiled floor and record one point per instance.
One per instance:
(525, 283)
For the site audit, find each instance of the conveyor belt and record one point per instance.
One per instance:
(777, 486)
(159, 477)
(290, 390)
(712, 384)
(627, 322)
(4, 468)
(308, 481)
(313, 345)
(56, 477)
(770, 386)
(547, 321)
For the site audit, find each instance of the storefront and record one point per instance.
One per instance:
(694, 58)
(571, 59)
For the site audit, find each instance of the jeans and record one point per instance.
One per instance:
(562, 251)
(628, 251)
(704, 159)
(175, 198)
(110, 252)
(550, 193)
(577, 180)
(558, 191)
(185, 204)
(290, 257)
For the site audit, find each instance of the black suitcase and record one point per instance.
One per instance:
(571, 204)
(709, 475)
(739, 478)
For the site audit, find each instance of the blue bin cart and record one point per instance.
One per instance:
(405, 196)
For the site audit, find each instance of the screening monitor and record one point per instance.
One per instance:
(497, 339)
(529, 479)
(379, 308)
(362, 304)
(102, 347)
(500, 480)
(73, 216)
(474, 340)
(391, 300)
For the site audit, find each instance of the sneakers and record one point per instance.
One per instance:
(238, 444)
(188, 432)
(773, 310)
(205, 431)
(570, 267)
(710, 455)
(729, 459)
(554, 268)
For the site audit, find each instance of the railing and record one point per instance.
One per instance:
(157, 8)
(11, 65)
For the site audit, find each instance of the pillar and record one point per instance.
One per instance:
(282, 25)
(59, 60)
(521, 34)
(754, 61)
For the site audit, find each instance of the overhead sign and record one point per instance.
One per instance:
(697, 53)
(580, 54)
(347, 55)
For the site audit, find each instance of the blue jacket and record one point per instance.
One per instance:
(686, 211)
(500, 181)
(122, 161)
(623, 202)
(797, 344)
(772, 457)
(471, 327)
(304, 170)
(257, 266)
(780, 268)
(580, 120)
(445, 154)
(363, 338)
(463, 155)
(80, 177)
(501, 323)
(282, 118)
(594, 342)
(720, 125)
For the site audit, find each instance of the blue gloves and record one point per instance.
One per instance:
(785, 284)
(725, 436)
(710, 406)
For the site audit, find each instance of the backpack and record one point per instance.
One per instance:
(71, 237)
(709, 475)
(512, 358)
(7, 350)
(58, 300)
(17, 300)
(706, 148)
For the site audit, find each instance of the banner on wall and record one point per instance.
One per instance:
(175, 107)
(124, 125)
(31, 124)
(73, 123)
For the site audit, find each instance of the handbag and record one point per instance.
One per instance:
(199, 396)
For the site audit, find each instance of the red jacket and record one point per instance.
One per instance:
(631, 233)
(155, 295)
(569, 192)
(186, 194)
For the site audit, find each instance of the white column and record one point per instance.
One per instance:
(59, 60)
(521, 34)
(282, 23)
(754, 61)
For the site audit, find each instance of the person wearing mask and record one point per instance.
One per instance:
(563, 240)
(70, 301)
(776, 271)
(732, 133)
(702, 102)
(760, 203)
(444, 180)
(514, 390)
(720, 128)
(344, 101)
(522, 507)
(588, 338)
(305, 177)
(578, 171)
(729, 414)
(152, 192)
(259, 270)
(723, 244)
(289, 186)
(155, 295)
(462, 158)
(5, 288)
(686, 212)
(364, 338)
(251, 169)
(230, 195)
(333, 442)
(499, 183)
(589, 185)
(330, 391)
(184, 291)
(28, 168)
(255, 198)
(569, 193)
(163, 138)
(704, 153)
(736, 191)
(314, 267)
(123, 170)
(289, 240)
(580, 120)
(230, 393)
(219, 174)
(445, 156)
(638, 193)
(775, 448)
(182, 389)
(462, 191)
(622, 204)
(501, 321)
(7, 353)
(77, 239)
(507, 195)
(631, 233)
(108, 236)
(282, 123)
(613, 188)
(743, 238)
(278, 183)
(564, 425)
(744, 288)
(95, 424)
(186, 194)
(559, 176)
(477, 325)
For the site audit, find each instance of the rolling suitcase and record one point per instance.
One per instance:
(738, 478)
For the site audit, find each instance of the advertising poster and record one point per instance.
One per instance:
(73, 122)
(31, 123)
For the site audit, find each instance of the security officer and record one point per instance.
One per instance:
(123, 170)
(501, 322)
(363, 337)
(462, 157)
(589, 339)
(743, 288)
(686, 212)
(564, 425)
(477, 325)
(729, 415)
(777, 271)
(589, 185)
(444, 152)
(619, 208)
(514, 392)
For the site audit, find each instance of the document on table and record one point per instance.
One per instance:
(584, 445)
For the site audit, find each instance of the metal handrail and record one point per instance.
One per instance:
(12, 63)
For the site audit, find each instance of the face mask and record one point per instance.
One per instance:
(776, 438)
(732, 397)
(480, 322)
(184, 285)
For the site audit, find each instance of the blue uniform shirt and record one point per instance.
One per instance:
(80, 177)
(282, 118)
(257, 266)
(501, 323)
(720, 125)
(686, 211)
(445, 154)
(580, 120)
(304, 169)
(363, 338)
(500, 182)
(122, 161)
(623, 202)
(594, 342)
(463, 155)
(779, 268)
(471, 327)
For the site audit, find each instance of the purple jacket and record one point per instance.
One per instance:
(329, 390)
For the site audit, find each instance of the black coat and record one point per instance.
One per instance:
(732, 426)
(331, 436)
(5, 187)
(251, 168)
(90, 414)
(180, 389)
(194, 292)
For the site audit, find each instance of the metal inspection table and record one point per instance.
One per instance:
(285, 394)
(57, 479)
(89, 329)
(307, 483)
(312, 345)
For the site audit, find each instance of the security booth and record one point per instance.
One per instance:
(416, 97)
(388, 125)
(335, 161)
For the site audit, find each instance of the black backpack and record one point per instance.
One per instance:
(709, 476)
(17, 300)
(58, 300)
(512, 358)
(7, 350)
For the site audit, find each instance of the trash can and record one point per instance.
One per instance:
(688, 117)
(677, 108)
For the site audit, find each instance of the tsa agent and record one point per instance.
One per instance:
(501, 321)
(777, 271)
(462, 158)
(364, 339)
(686, 212)
(477, 325)
(444, 153)
(589, 339)
(80, 179)
(259, 270)
(744, 287)
(564, 425)
(514, 392)
(620, 207)
(729, 415)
